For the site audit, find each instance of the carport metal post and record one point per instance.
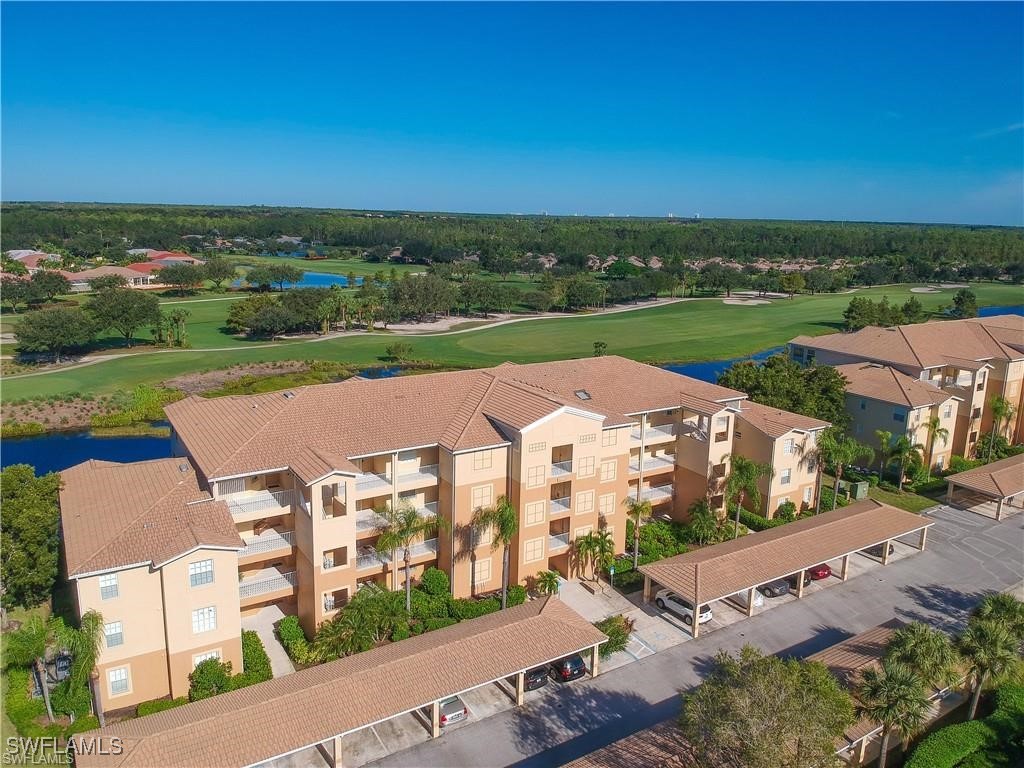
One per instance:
(695, 621)
(846, 568)
(923, 539)
(949, 491)
(800, 583)
(885, 551)
(750, 601)
(435, 719)
(999, 509)
(520, 688)
(647, 589)
(595, 661)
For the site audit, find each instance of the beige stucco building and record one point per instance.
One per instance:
(974, 360)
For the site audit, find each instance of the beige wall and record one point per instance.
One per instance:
(869, 415)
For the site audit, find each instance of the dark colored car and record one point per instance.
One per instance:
(535, 678)
(569, 668)
(879, 549)
(776, 588)
(822, 571)
(792, 580)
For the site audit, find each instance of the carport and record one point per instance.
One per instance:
(316, 707)
(721, 570)
(993, 490)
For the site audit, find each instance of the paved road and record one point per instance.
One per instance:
(967, 556)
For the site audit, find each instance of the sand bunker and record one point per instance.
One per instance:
(745, 302)
(925, 290)
(953, 285)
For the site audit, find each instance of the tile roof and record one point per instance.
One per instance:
(1000, 479)
(91, 274)
(927, 345)
(244, 727)
(459, 410)
(115, 515)
(881, 382)
(757, 558)
(776, 422)
(660, 746)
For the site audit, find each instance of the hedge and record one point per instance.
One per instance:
(159, 705)
(255, 661)
(465, 608)
(292, 637)
(25, 712)
(516, 595)
(756, 522)
(618, 629)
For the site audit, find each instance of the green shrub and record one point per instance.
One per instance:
(67, 701)
(426, 606)
(400, 632)
(786, 512)
(209, 678)
(255, 661)
(159, 705)
(431, 624)
(465, 608)
(417, 627)
(21, 709)
(756, 522)
(885, 485)
(960, 464)
(661, 539)
(516, 595)
(826, 499)
(948, 746)
(292, 637)
(935, 485)
(618, 629)
(435, 582)
(21, 428)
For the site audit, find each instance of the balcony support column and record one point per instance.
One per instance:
(435, 719)
(520, 688)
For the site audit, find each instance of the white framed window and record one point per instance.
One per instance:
(584, 502)
(583, 530)
(483, 535)
(108, 586)
(199, 658)
(536, 447)
(483, 460)
(482, 496)
(610, 529)
(722, 422)
(482, 571)
(535, 512)
(113, 633)
(533, 550)
(609, 437)
(807, 494)
(118, 681)
(608, 469)
(787, 446)
(536, 476)
(204, 619)
(585, 467)
(200, 572)
(785, 476)
(590, 438)
(947, 411)
(606, 504)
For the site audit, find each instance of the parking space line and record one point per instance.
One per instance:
(379, 739)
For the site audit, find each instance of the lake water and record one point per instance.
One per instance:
(60, 450)
(315, 280)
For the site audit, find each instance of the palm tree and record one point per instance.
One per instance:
(884, 450)
(83, 643)
(398, 530)
(503, 520)
(1003, 608)
(703, 524)
(639, 511)
(935, 432)
(744, 478)
(989, 648)
(894, 697)
(27, 647)
(928, 652)
(547, 582)
(840, 451)
(1002, 410)
(903, 452)
(595, 549)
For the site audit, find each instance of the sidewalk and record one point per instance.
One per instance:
(262, 624)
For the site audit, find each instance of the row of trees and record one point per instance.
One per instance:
(862, 312)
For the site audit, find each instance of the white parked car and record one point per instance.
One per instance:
(741, 599)
(668, 600)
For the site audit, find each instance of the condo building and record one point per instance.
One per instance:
(275, 498)
(974, 360)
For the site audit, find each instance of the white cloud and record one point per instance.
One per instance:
(993, 132)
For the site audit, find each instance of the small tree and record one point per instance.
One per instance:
(28, 535)
(936, 432)
(503, 521)
(965, 303)
(399, 529)
(398, 351)
(15, 291)
(217, 269)
(284, 273)
(107, 282)
(600, 348)
(703, 525)
(840, 451)
(1002, 608)
(184, 277)
(124, 309)
(209, 678)
(26, 647)
(548, 582)
(744, 480)
(55, 329)
(639, 510)
(902, 453)
(47, 284)
(1002, 411)
(990, 649)
(894, 697)
(928, 652)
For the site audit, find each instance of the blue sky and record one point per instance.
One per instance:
(866, 111)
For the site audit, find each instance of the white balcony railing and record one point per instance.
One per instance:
(267, 542)
(656, 494)
(557, 541)
(558, 506)
(270, 501)
(368, 520)
(427, 510)
(561, 468)
(368, 557)
(328, 603)
(427, 474)
(651, 464)
(654, 432)
(693, 431)
(419, 549)
(256, 587)
(371, 481)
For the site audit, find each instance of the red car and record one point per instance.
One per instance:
(819, 572)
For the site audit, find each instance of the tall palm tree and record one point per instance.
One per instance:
(744, 478)
(399, 528)
(639, 510)
(928, 652)
(503, 520)
(595, 549)
(902, 453)
(1002, 410)
(935, 432)
(989, 648)
(884, 437)
(841, 451)
(894, 697)
(1003, 608)
(27, 648)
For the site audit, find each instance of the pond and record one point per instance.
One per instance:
(315, 280)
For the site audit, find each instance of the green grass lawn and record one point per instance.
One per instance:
(698, 330)
(907, 500)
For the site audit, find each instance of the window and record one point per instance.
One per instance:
(482, 496)
(807, 494)
(585, 467)
(898, 415)
(201, 657)
(787, 447)
(786, 476)
(606, 504)
(722, 422)
(535, 476)
(947, 411)
(974, 437)
(118, 679)
(609, 437)
(608, 471)
(591, 438)
(536, 447)
(533, 550)
(108, 586)
(482, 571)
(584, 502)
(939, 461)
(114, 634)
(204, 619)
(863, 405)
(535, 512)
(483, 460)
(583, 531)
(483, 535)
(200, 573)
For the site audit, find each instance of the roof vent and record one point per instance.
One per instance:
(582, 394)
(289, 395)
(183, 467)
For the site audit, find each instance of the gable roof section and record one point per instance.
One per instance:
(1000, 479)
(880, 382)
(116, 515)
(776, 422)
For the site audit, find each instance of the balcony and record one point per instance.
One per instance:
(368, 557)
(652, 464)
(372, 482)
(252, 504)
(422, 548)
(421, 476)
(657, 494)
(693, 431)
(557, 541)
(559, 506)
(654, 433)
(263, 585)
(561, 468)
(367, 520)
(269, 541)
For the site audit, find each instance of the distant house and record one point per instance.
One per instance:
(80, 280)
(146, 267)
(34, 260)
(172, 256)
